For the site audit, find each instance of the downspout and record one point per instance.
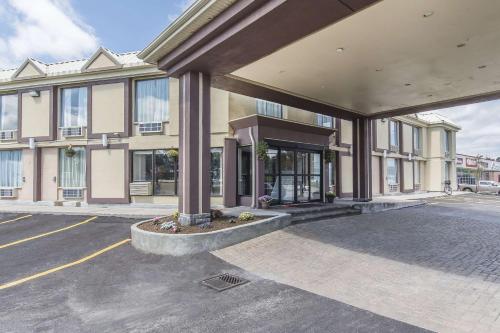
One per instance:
(254, 162)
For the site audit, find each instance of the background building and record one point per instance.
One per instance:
(471, 168)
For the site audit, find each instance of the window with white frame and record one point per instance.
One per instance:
(269, 109)
(216, 171)
(73, 107)
(417, 140)
(8, 112)
(394, 135)
(325, 121)
(10, 169)
(392, 174)
(72, 168)
(151, 101)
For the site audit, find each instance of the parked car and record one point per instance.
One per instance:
(484, 186)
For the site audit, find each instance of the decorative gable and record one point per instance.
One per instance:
(30, 69)
(102, 59)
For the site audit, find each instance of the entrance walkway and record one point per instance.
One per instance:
(427, 266)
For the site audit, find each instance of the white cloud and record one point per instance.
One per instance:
(480, 124)
(49, 29)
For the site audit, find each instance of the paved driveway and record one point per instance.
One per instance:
(436, 266)
(79, 274)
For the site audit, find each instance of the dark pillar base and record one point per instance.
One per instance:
(362, 159)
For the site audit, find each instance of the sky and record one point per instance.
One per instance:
(59, 30)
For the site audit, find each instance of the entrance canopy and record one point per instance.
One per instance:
(345, 58)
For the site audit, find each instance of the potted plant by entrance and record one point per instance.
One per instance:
(265, 201)
(69, 151)
(261, 150)
(172, 153)
(330, 196)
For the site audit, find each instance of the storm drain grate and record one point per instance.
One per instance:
(223, 281)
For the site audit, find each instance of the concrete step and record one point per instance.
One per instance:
(323, 214)
(297, 211)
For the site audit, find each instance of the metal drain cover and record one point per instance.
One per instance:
(223, 281)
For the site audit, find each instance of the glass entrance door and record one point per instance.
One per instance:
(293, 175)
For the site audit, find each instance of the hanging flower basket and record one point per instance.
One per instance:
(69, 151)
(261, 150)
(329, 156)
(172, 153)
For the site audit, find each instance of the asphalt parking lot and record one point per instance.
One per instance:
(80, 274)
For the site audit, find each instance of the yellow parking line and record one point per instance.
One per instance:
(16, 219)
(55, 269)
(47, 233)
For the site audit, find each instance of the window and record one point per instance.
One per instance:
(392, 172)
(269, 109)
(447, 171)
(245, 170)
(151, 101)
(10, 168)
(8, 113)
(394, 135)
(72, 169)
(325, 121)
(216, 171)
(332, 174)
(158, 167)
(447, 142)
(271, 174)
(74, 107)
(417, 137)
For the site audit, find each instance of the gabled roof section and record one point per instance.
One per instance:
(30, 69)
(103, 59)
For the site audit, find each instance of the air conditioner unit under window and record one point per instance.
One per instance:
(72, 193)
(71, 131)
(8, 135)
(142, 188)
(8, 193)
(156, 127)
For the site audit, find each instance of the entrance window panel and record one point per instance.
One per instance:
(245, 170)
(392, 174)
(142, 166)
(72, 169)
(271, 178)
(165, 174)
(315, 187)
(316, 164)
(287, 189)
(303, 188)
(287, 162)
(216, 171)
(302, 163)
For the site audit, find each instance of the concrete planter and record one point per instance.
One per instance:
(182, 244)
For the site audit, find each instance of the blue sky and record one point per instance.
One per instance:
(59, 30)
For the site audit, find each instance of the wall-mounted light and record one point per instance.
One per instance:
(34, 93)
(104, 139)
(385, 153)
(32, 143)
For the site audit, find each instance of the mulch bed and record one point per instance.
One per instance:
(216, 224)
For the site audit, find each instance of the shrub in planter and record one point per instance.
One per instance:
(246, 216)
(265, 201)
(261, 150)
(176, 215)
(330, 196)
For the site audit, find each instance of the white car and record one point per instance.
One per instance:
(484, 186)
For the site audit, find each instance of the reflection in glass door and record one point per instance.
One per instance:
(302, 187)
(287, 171)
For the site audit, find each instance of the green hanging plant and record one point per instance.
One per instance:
(69, 151)
(172, 153)
(329, 156)
(261, 150)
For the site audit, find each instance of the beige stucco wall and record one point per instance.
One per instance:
(219, 111)
(108, 108)
(408, 175)
(346, 174)
(301, 116)
(26, 192)
(172, 128)
(36, 115)
(101, 61)
(107, 181)
(376, 175)
(434, 175)
(435, 138)
(407, 135)
(382, 134)
(346, 131)
(49, 173)
(241, 106)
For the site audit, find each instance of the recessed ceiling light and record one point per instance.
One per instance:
(407, 84)
(481, 67)
(340, 50)
(430, 95)
(461, 45)
(378, 69)
(428, 14)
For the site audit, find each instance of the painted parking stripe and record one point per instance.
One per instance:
(58, 268)
(47, 233)
(16, 219)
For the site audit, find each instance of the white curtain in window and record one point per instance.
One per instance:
(392, 171)
(74, 107)
(151, 101)
(10, 168)
(72, 169)
(269, 109)
(8, 112)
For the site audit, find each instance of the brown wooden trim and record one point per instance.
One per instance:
(381, 175)
(88, 158)
(37, 174)
(253, 90)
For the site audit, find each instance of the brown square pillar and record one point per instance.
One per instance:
(230, 173)
(194, 148)
(362, 159)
